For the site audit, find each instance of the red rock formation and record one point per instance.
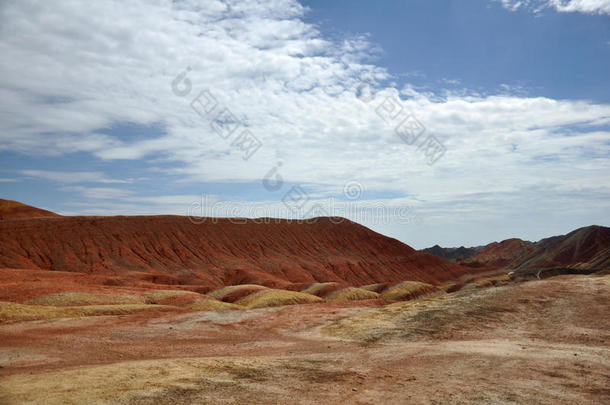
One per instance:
(218, 252)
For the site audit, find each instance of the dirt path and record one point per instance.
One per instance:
(541, 342)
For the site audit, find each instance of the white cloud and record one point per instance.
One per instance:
(70, 68)
(71, 177)
(582, 6)
(97, 193)
(562, 6)
(512, 5)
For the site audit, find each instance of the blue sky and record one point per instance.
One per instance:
(480, 44)
(510, 100)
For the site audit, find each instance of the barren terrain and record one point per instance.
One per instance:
(216, 252)
(537, 342)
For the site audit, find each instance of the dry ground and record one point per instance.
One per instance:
(539, 342)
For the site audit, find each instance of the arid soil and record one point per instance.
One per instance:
(537, 342)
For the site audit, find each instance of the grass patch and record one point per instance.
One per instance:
(408, 290)
(351, 294)
(245, 372)
(484, 283)
(444, 316)
(226, 380)
(85, 298)
(501, 280)
(317, 372)
(12, 312)
(274, 298)
(487, 282)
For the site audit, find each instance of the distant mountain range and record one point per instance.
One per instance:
(453, 254)
(584, 248)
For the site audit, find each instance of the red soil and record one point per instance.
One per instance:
(148, 250)
(20, 285)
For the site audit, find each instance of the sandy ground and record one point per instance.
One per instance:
(539, 342)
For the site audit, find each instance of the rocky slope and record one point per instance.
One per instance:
(584, 248)
(174, 250)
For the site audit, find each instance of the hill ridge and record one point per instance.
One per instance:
(10, 209)
(173, 249)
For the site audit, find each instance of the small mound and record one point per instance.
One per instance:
(487, 282)
(12, 312)
(469, 287)
(274, 298)
(501, 280)
(84, 298)
(316, 288)
(408, 290)
(173, 297)
(378, 288)
(451, 287)
(234, 293)
(484, 283)
(324, 289)
(351, 294)
(210, 305)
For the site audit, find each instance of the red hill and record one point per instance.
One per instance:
(172, 249)
(16, 210)
(502, 254)
(584, 248)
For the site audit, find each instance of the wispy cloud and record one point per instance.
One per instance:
(71, 177)
(97, 193)
(562, 6)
